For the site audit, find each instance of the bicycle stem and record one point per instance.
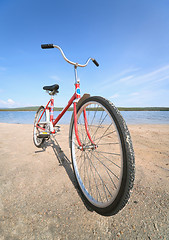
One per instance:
(76, 78)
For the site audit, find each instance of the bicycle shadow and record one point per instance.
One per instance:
(66, 163)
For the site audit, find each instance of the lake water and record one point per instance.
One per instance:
(131, 117)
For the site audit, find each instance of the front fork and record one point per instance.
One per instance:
(81, 146)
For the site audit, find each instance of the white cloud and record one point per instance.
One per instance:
(138, 88)
(8, 103)
(125, 79)
(162, 79)
(114, 79)
(147, 98)
(161, 74)
(2, 102)
(127, 71)
(156, 72)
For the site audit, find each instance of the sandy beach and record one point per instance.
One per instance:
(39, 197)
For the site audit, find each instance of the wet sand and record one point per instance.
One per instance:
(39, 197)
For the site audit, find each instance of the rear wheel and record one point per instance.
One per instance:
(104, 170)
(36, 130)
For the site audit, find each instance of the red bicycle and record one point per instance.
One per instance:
(101, 147)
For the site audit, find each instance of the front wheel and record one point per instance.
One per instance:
(105, 166)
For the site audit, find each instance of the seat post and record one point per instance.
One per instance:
(52, 108)
(76, 78)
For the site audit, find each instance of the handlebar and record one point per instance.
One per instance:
(46, 46)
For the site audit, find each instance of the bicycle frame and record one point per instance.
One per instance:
(104, 168)
(74, 99)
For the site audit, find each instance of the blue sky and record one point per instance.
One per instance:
(129, 39)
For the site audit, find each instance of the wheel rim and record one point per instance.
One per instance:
(36, 131)
(98, 171)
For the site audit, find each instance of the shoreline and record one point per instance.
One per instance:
(135, 109)
(65, 124)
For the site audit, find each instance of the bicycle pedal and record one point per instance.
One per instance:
(43, 135)
(57, 128)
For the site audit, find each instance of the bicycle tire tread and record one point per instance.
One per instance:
(131, 164)
(42, 140)
(116, 206)
(130, 157)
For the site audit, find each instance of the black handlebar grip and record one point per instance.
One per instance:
(44, 46)
(95, 62)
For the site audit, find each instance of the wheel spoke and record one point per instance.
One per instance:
(108, 143)
(96, 185)
(99, 124)
(115, 154)
(108, 159)
(105, 135)
(106, 166)
(103, 184)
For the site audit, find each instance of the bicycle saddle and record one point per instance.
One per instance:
(54, 88)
